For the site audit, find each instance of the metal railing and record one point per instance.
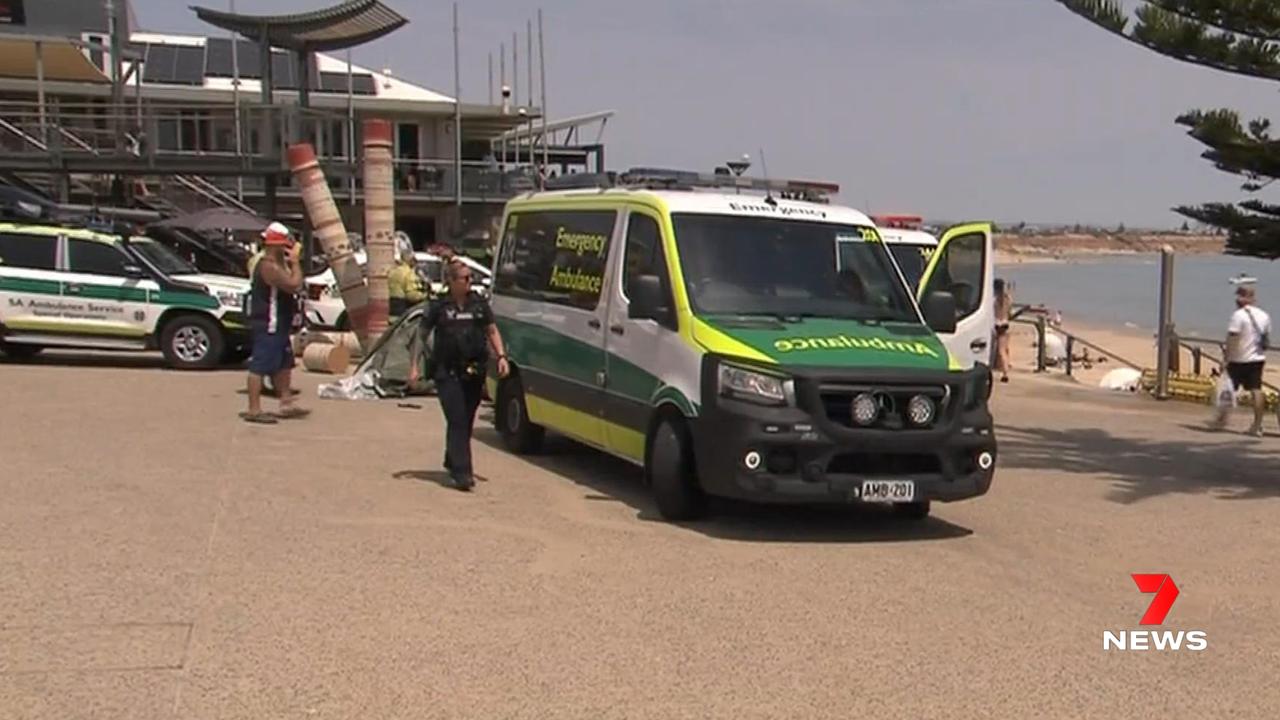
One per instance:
(169, 129)
(1196, 347)
(161, 138)
(1070, 341)
(426, 179)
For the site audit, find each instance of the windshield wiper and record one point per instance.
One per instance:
(884, 318)
(749, 316)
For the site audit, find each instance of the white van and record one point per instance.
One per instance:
(740, 338)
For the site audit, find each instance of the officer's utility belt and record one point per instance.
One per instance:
(467, 370)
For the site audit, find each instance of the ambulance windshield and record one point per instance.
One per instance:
(912, 259)
(734, 265)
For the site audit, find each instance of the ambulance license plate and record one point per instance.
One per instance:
(888, 491)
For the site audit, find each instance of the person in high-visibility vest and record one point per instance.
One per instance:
(404, 287)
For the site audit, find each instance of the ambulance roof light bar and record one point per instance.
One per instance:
(901, 222)
(685, 179)
(668, 179)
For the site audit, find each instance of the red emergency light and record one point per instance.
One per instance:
(901, 222)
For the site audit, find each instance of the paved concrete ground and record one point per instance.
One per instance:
(162, 559)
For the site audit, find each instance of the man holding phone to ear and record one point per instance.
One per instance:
(273, 306)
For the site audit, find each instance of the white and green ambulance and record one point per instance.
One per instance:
(751, 341)
(74, 287)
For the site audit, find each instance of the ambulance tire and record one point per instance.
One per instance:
(192, 342)
(669, 470)
(914, 512)
(19, 351)
(511, 415)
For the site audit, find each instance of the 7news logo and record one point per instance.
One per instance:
(1165, 593)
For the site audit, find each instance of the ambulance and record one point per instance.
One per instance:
(741, 337)
(69, 286)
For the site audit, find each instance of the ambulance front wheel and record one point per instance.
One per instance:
(669, 469)
(512, 415)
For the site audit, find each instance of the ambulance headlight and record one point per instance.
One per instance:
(757, 387)
(865, 409)
(921, 410)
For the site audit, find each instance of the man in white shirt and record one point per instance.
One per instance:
(1247, 339)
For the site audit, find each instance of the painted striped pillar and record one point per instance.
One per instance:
(328, 227)
(379, 219)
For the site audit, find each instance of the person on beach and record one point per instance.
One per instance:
(1248, 334)
(1004, 313)
(273, 305)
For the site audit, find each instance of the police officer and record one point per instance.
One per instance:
(464, 331)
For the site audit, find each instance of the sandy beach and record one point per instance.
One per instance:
(1135, 345)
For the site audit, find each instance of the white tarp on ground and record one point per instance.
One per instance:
(1124, 379)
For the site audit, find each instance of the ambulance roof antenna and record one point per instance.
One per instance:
(768, 191)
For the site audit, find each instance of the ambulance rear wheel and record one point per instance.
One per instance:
(669, 469)
(512, 417)
(20, 351)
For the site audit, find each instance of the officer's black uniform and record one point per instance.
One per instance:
(460, 353)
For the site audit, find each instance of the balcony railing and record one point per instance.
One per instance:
(201, 142)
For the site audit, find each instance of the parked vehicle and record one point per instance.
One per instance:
(741, 338)
(64, 286)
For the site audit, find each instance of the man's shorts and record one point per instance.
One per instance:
(271, 353)
(1245, 376)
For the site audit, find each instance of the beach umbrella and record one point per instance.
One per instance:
(217, 219)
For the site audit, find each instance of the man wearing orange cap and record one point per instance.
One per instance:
(273, 304)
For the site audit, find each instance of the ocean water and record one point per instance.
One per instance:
(1125, 290)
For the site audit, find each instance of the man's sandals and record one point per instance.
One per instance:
(266, 418)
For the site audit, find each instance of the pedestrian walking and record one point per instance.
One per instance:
(464, 332)
(1248, 336)
(273, 307)
(1004, 313)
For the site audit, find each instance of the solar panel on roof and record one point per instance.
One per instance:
(189, 68)
(364, 85)
(336, 82)
(159, 63)
(218, 58)
(282, 71)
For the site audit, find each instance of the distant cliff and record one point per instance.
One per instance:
(1125, 243)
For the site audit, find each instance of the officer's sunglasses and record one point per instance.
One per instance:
(463, 278)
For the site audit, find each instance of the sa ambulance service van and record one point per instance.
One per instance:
(742, 338)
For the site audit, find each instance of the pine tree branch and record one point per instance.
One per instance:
(1252, 233)
(1250, 152)
(1257, 19)
(1170, 35)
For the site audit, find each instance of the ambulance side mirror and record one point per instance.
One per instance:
(648, 301)
(939, 309)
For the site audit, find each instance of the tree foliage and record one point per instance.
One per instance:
(1235, 36)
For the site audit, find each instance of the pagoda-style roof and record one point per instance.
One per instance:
(351, 23)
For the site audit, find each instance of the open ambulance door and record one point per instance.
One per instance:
(962, 265)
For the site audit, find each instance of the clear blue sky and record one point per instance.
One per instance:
(954, 109)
